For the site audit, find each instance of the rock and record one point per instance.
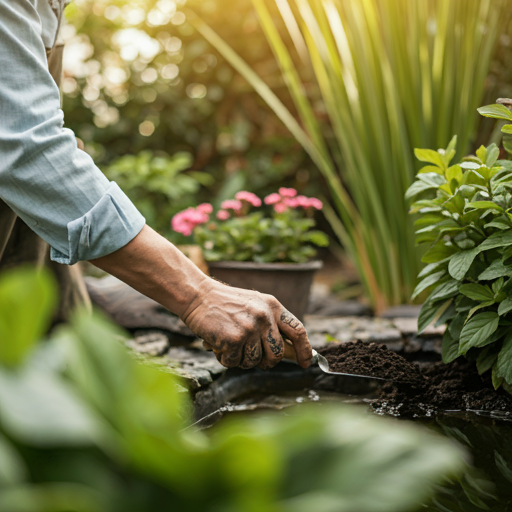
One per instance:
(409, 327)
(402, 311)
(345, 329)
(331, 306)
(153, 343)
(197, 366)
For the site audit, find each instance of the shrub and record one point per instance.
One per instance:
(464, 215)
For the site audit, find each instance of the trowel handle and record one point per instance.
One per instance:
(289, 353)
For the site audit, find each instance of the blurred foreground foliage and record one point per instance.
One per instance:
(85, 427)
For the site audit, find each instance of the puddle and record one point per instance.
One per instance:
(488, 436)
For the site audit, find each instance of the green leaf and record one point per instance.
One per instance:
(484, 205)
(429, 311)
(505, 306)
(482, 305)
(477, 292)
(456, 325)
(454, 173)
(39, 409)
(428, 269)
(507, 129)
(496, 379)
(445, 290)
(460, 263)
(431, 178)
(493, 154)
(496, 111)
(439, 252)
(494, 270)
(478, 330)
(27, 300)
(486, 358)
(430, 156)
(417, 188)
(449, 348)
(504, 363)
(430, 168)
(428, 281)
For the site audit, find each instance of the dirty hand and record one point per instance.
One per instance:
(245, 328)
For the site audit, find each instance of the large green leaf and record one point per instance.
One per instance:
(495, 270)
(477, 292)
(446, 290)
(496, 111)
(38, 409)
(487, 358)
(27, 299)
(478, 330)
(505, 306)
(428, 281)
(460, 263)
(430, 311)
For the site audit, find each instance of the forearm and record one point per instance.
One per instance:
(156, 268)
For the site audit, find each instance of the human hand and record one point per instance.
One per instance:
(244, 328)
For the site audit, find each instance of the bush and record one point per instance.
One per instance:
(464, 217)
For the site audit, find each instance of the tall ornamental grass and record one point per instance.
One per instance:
(389, 76)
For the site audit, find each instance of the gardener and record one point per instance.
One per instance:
(52, 188)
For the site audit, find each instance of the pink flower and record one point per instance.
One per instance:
(223, 215)
(272, 198)
(249, 197)
(302, 201)
(291, 202)
(280, 207)
(205, 208)
(231, 204)
(185, 221)
(287, 192)
(315, 203)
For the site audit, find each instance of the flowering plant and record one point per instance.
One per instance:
(238, 234)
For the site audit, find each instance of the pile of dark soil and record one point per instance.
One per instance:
(418, 391)
(373, 360)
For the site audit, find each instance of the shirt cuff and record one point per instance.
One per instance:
(109, 225)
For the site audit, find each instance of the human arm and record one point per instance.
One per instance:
(45, 179)
(243, 327)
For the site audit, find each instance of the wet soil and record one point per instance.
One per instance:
(418, 391)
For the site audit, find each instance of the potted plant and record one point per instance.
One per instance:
(465, 216)
(268, 247)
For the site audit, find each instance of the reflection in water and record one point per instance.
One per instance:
(488, 485)
(485, 486)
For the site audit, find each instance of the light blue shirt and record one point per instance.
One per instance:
(52, 185)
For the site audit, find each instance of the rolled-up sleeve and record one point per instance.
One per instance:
(52, 185)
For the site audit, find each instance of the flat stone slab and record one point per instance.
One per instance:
(197, 366)
(344, 329)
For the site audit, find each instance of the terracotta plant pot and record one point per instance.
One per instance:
(290, 283)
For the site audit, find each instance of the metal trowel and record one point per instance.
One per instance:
(289, 355)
